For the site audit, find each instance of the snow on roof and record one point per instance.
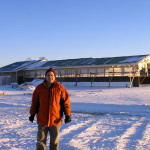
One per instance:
(36, 65)
(132, 59)
(108, 61)
(25, 64)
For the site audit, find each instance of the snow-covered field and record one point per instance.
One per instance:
(103, 119)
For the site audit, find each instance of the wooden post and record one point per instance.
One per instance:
(113, 71)
(110, 79)
(136, 82)
(76, 80)
(104, 72)
(16, 77)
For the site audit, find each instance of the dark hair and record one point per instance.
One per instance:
(51, 70)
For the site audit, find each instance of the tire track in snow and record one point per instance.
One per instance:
(144, 143)
(84, 138)
(74, 127)
(102, 135)
(125, 141)
(68, 133)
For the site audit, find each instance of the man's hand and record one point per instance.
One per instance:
(31, 118)
(67, 119)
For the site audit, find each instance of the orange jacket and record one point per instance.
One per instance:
(49, 101)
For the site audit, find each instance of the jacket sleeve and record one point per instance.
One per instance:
(66, 102)
(35, 102)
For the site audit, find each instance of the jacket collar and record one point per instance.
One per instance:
(54, 84)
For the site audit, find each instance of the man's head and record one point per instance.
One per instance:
(50, 75)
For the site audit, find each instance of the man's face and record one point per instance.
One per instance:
(50, 77)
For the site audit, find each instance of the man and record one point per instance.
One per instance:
(49, 101)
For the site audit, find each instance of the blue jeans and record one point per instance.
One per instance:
(42, 137)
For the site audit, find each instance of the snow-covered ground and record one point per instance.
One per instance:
(115, 118)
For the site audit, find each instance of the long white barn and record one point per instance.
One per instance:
(83, 68)
(86, 67)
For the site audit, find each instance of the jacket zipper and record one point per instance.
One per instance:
(48, 106)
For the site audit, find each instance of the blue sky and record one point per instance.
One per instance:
(64, 29)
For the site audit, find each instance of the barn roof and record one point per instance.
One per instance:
(38, 64)
(17, 66)
(94, 61)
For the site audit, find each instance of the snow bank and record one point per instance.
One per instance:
(30, 85)
(36, 82)
(26, 86)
